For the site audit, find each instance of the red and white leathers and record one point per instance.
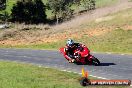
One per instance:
(70, 51)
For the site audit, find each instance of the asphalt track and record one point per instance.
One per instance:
(113, 66)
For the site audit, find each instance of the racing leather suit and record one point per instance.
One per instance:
(69, 51)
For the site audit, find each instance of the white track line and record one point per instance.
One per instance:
(89, 75)
(108, 53)
(98, 77)
(122, 54)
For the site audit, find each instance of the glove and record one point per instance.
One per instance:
(77, 55)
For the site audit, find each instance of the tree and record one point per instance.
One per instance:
(4, 15)
(39, 11)
(61, 9)
(2, 4)
(29, 11)
(88, 4)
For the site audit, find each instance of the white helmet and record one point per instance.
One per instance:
(70, 42)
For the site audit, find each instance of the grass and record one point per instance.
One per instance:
(115, 20)
(117, 39)
(54, 45)
(16, 75)
(103, 3)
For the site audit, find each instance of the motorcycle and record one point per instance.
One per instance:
(82, 56)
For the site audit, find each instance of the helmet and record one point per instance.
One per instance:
(70, 42)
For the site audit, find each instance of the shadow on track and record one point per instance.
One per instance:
(106, 64)
(101, 64)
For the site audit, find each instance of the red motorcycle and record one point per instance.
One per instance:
(82, 56)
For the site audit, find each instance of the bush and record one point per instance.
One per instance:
(29, 11)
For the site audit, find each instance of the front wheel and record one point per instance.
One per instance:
(95, 61)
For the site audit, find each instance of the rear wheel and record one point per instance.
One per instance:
(95, 61)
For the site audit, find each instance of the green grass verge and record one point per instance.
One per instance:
(53, 46)
(14, 75)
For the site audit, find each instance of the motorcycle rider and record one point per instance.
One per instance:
(70, 47)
